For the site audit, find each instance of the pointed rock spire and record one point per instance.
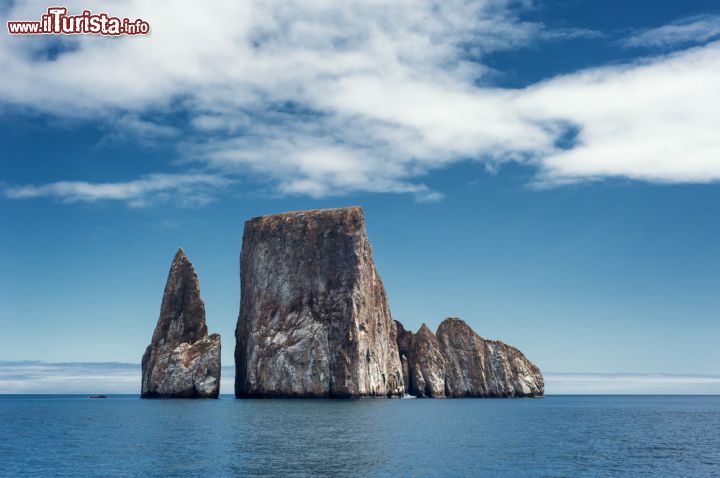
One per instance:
(181, 360)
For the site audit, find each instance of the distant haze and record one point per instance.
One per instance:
(121, 378)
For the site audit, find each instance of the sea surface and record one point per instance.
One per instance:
(570, 436)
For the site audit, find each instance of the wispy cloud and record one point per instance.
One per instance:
(186, 189)
(648, 121)
(696, 29)
(569, 34)
(133, 127)
(320, 98)
(113, 377)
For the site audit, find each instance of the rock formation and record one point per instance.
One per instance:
(181, 360)
(487, 368)
(457, 362)
(404, 340)
(427, 365)
(314, 319)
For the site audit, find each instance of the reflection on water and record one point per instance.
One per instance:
(317, 437)
(554, 436)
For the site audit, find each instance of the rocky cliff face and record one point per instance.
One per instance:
(404, 341)
(427, 365)
(457, 362)
(314, 319)
(182, 360)
(484, 368)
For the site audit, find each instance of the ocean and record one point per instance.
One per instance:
(555, 436)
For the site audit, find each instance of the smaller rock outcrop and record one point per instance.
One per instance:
(476, 367)
(457, 362)
(182, 360)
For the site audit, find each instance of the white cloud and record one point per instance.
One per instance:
(319, 98)
(651, 121)
(144, 128)
(697, 29)
(570, 33)
(187, 189)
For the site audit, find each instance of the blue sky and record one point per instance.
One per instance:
(546, 171)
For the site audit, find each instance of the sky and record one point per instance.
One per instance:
(547, 171)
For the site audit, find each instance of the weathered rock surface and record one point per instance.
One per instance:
(484, 368)
(314, 319)
(404, 340)
(182, 360)
(427, 365)
(457, 362)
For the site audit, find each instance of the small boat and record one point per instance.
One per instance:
(98, 396)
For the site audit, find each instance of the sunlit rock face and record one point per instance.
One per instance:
(182, 360)
(457, 362)
(314, 319)
(476, 367)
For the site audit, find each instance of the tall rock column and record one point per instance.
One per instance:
(314, 319)
(182, 360)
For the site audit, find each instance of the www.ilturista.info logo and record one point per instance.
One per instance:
(57, 22)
